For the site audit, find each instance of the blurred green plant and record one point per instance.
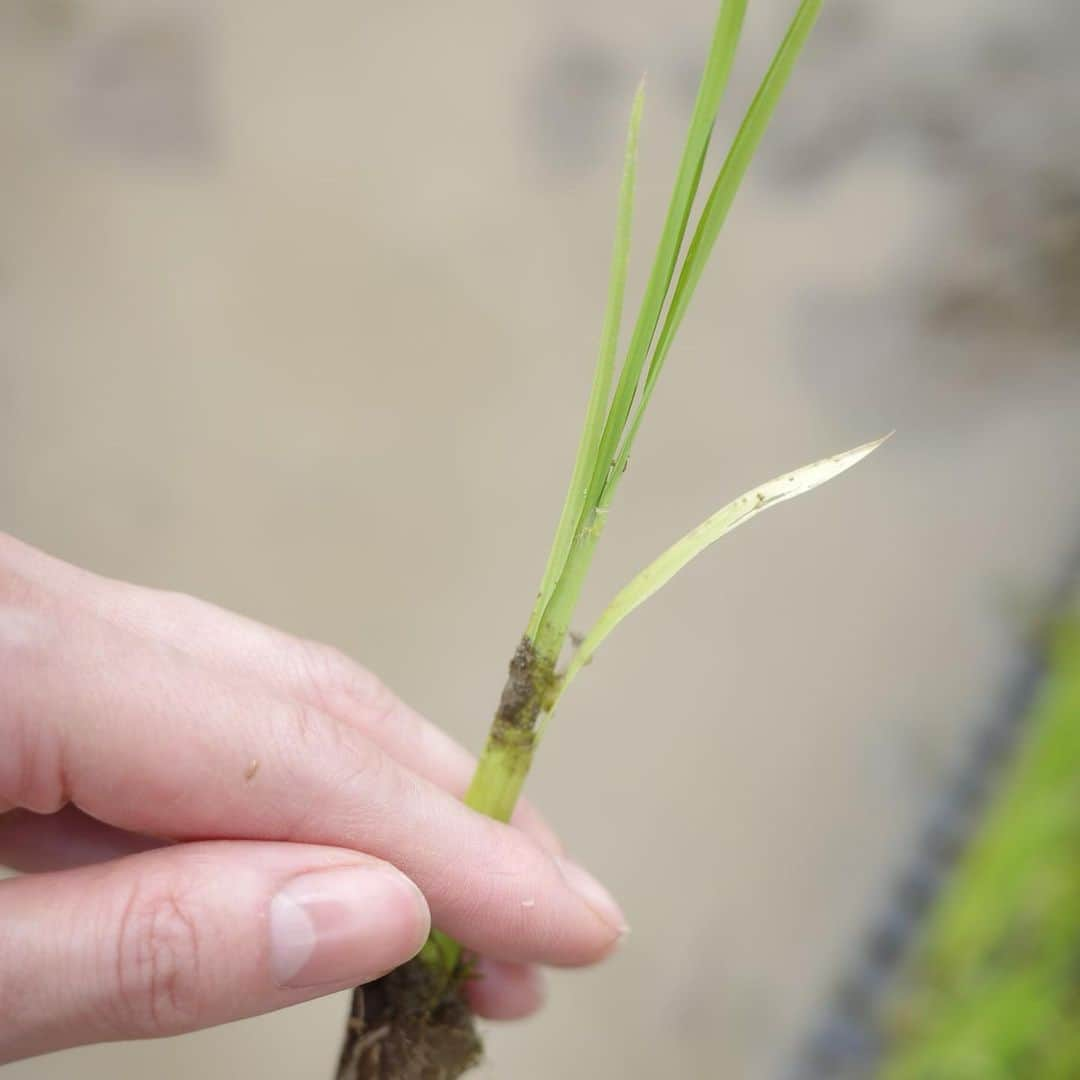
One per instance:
(994, 993)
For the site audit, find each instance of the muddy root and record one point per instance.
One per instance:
(413, 1024)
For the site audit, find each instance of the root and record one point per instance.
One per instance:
(413, 1024)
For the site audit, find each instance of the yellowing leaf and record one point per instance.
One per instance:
(659, 572)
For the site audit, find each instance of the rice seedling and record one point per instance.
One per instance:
(415, 1022)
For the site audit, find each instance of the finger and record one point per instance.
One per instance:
(34, 843)
(322, 677)
(502, 991)
(283, 665)
(186, 937)
(139, 737)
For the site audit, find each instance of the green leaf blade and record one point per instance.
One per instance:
(588, 447)
(719, 203)
(714, 82)
(659, 572)
(552, 612)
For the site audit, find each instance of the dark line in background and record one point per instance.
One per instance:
(846, 1043)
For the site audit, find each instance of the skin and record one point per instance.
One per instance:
(169, 768)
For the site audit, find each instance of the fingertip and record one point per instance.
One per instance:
(166, 941)
(597, 898)
(505, 991)
(522, 905)
(347, 924)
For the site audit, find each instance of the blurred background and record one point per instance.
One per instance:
(298, 307)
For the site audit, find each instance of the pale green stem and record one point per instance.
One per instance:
(499, 777)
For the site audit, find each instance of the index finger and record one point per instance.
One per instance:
(144, 738)
(282, 665)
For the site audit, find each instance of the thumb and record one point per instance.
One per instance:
(180, 938)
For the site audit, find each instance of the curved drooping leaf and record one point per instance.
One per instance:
(659, 572)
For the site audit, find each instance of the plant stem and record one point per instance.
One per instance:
(504, 764)
(508, 754)
(499, 778)
(531, 687)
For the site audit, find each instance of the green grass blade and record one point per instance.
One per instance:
(710, 92)
(603, 375)
(552, 612)
(717, 206)
(662, 570)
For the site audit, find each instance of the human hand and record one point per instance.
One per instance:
(218, 820)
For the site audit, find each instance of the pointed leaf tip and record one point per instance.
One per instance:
(737, 512)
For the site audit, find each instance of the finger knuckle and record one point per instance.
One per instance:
(334, 681)
(317, 750)
(343, 689)
(365, 767)
(157, 962)
(301, 729)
